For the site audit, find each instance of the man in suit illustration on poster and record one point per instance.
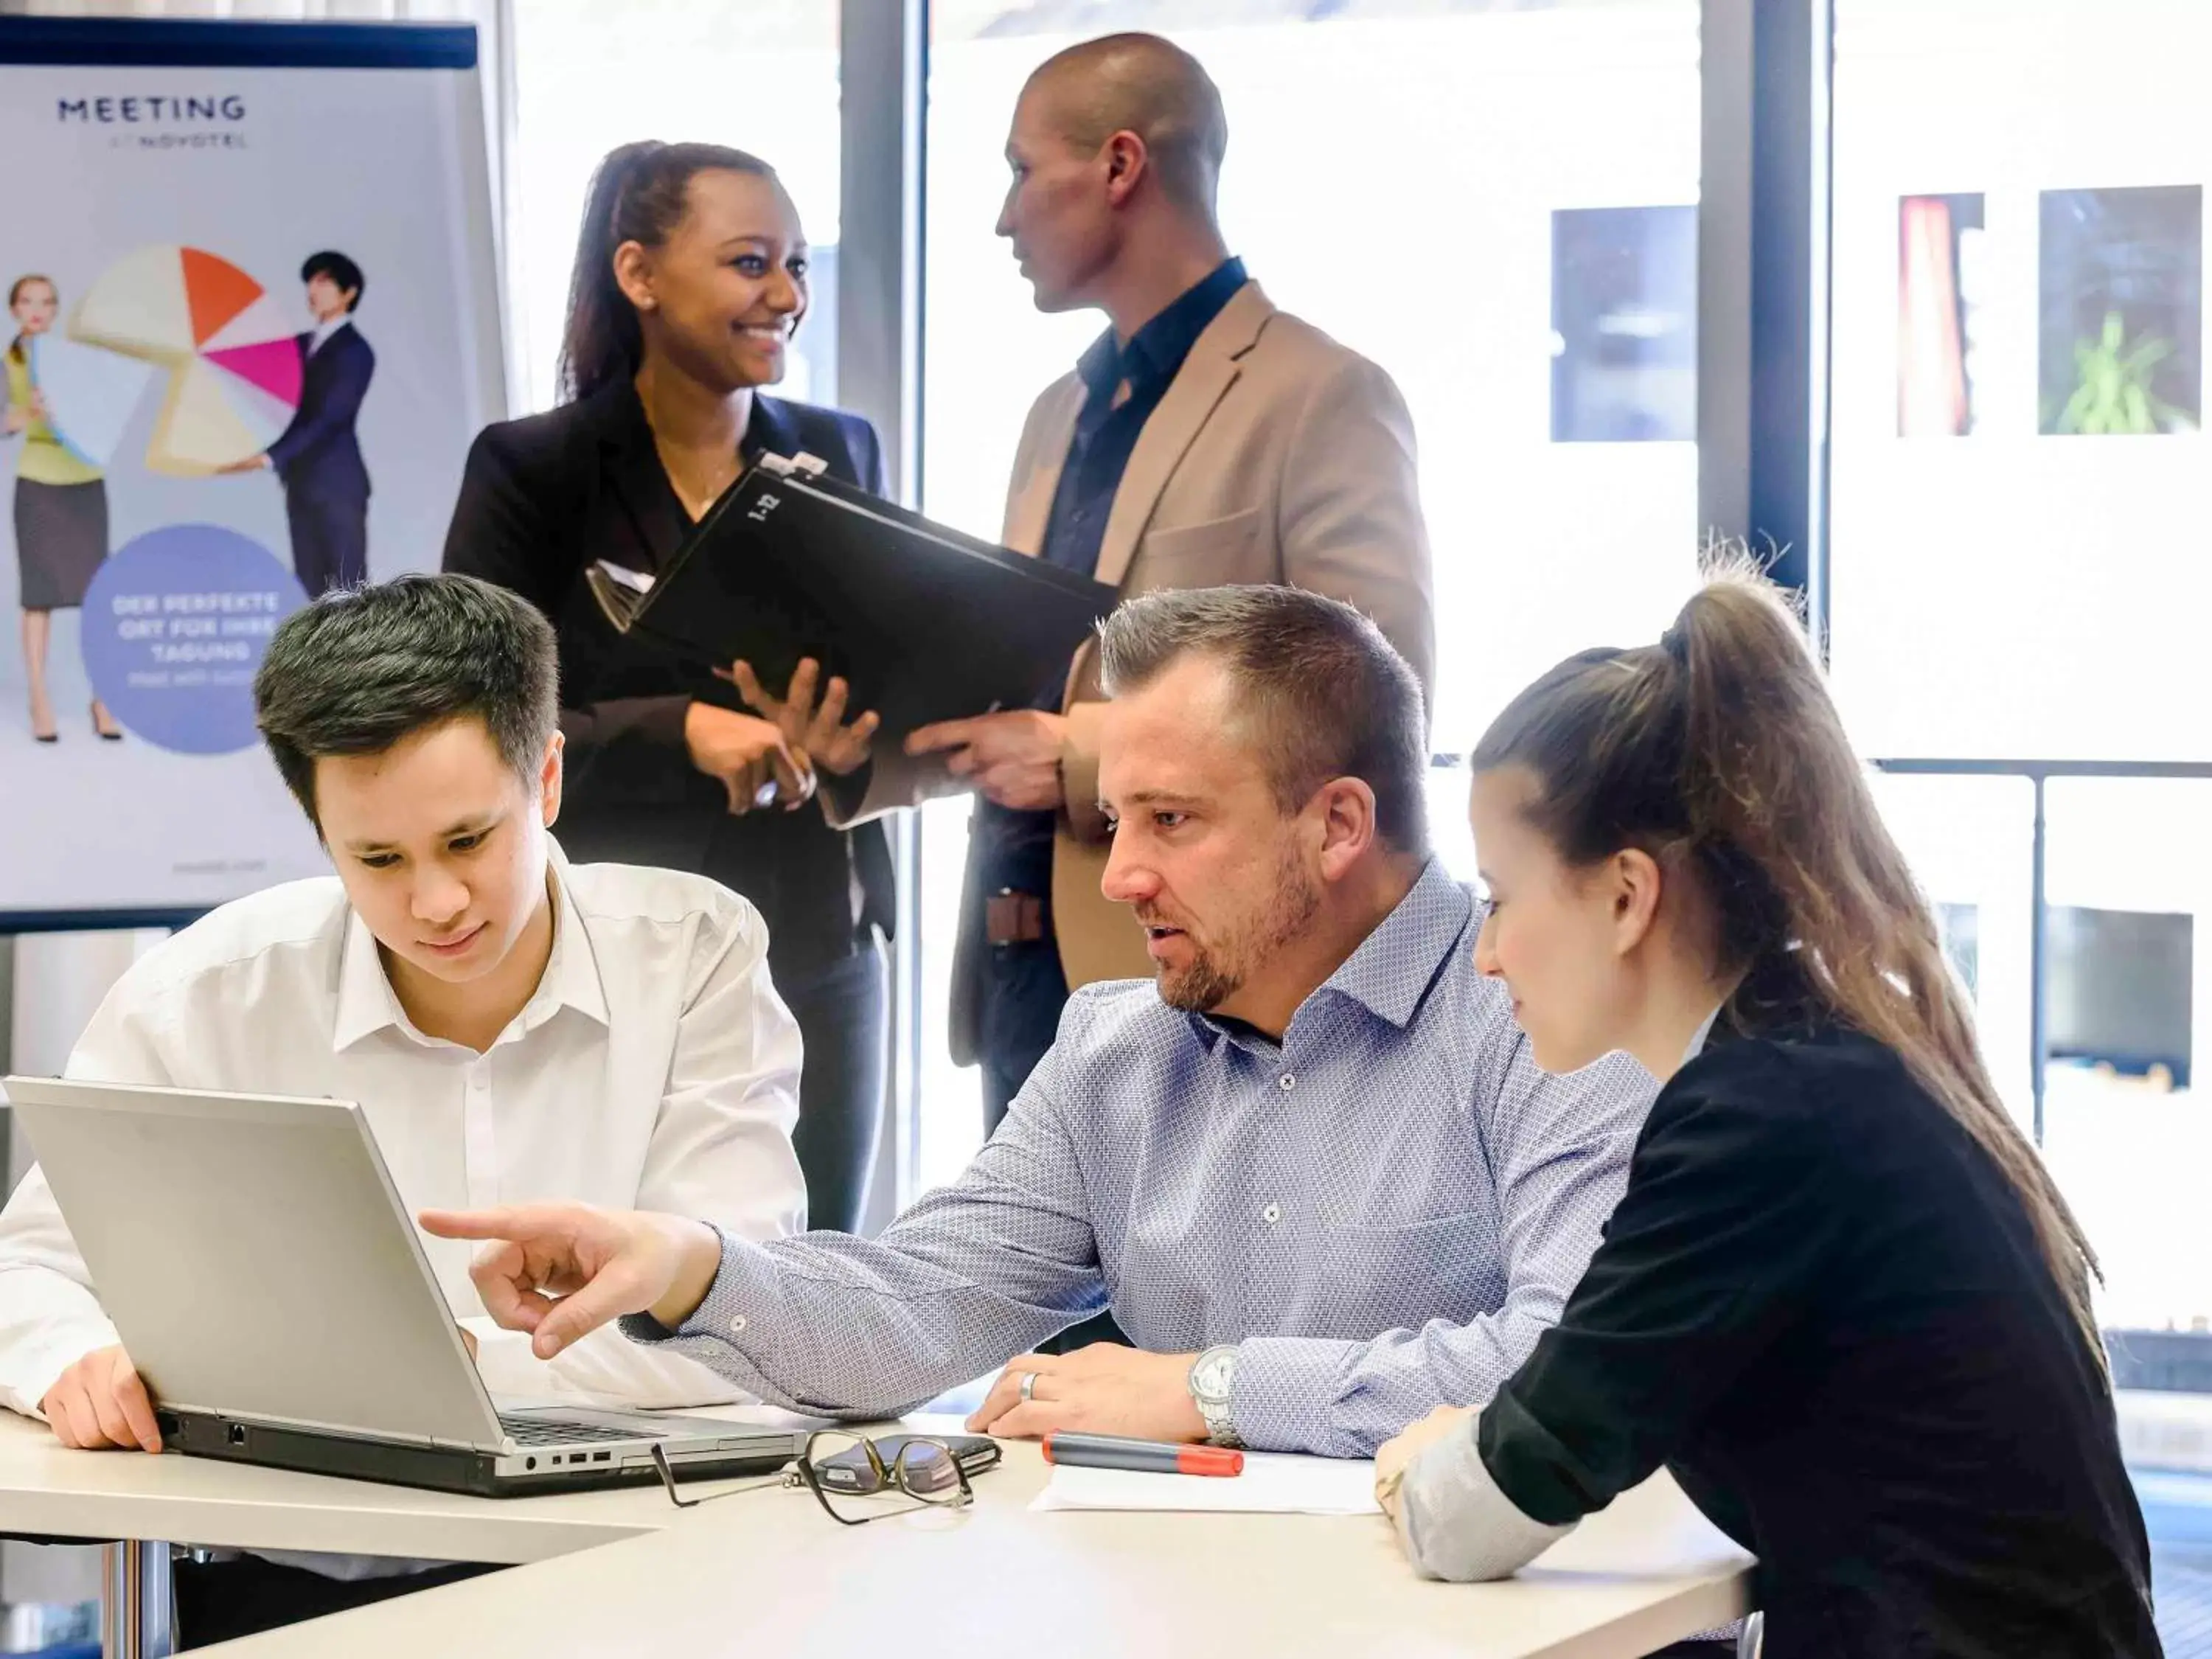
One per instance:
(317, 457)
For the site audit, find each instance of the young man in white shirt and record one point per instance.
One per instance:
(513, 1027)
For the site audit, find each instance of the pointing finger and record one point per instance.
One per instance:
(509, 1222)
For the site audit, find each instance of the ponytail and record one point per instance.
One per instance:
(1718, 750)
(638, 194)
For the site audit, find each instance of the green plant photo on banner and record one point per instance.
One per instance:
(2113, 393)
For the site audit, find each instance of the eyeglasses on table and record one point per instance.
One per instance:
(849, 1475)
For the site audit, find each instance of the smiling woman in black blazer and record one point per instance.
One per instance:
(691, 277)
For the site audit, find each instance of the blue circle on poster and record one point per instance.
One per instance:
(175, 624)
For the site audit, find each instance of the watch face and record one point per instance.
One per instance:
(1210, 1378)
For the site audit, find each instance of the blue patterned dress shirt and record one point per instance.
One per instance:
(1382, 1211)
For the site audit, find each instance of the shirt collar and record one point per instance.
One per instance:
(322, 331)
(366, 1003)
(1394, 965)
(1155, 353)
(1702, 1035)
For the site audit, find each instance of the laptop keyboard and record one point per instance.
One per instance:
(551, 1431)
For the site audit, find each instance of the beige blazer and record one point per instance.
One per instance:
(1277, 455)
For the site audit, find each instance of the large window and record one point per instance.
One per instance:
(1496, 204)
(2121, 1007)
(2018, 474)
(2124, 1128)
(592, 74)
(1970, 843)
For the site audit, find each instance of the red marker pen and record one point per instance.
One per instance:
(1108, 1451)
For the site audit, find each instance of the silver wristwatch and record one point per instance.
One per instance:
(1213, 1383)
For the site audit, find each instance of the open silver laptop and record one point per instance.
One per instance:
(273, 1291)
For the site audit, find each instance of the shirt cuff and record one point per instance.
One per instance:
(732, 1330)
(1455, 1521)
(1284, 1396)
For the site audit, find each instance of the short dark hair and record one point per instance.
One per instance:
(362, 668)
(341, 271)
(1329, 696)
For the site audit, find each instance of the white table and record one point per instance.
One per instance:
(133, 1499)
(50, 1493)
(635, 1575)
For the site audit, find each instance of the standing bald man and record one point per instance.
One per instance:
(1206, 439)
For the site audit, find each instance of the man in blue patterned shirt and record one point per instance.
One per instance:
(1314, 1172)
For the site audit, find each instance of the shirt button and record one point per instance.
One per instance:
(1272, 1214)
(1289, 1081)
(737, 1326)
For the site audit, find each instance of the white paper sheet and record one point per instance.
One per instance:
(1274, 1483)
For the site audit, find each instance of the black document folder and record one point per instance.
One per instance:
(923, 622)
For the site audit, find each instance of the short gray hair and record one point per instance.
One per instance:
(1328, 695)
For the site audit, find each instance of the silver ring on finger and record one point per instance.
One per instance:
(1028, 1386)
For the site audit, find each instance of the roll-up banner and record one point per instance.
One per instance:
(253, 325)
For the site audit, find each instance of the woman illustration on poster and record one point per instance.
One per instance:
(61, 508)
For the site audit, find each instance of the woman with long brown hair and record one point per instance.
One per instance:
(1841, 1299)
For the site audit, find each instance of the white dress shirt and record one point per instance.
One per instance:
(320, 334)
(654, 1067)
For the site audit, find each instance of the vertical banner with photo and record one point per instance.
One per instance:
(2123, 311)
(252, 326)
(1941, 285)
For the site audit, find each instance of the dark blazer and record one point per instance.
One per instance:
(318, 452)
(541, 500)
(1822, 1306)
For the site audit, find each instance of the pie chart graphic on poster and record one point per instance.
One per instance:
(90, 394)
(225, 356)
(176, 622)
